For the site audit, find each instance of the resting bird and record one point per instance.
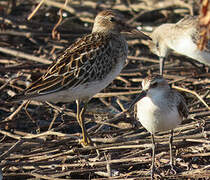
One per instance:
(160, 108)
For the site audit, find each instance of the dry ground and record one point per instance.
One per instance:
(46, 146)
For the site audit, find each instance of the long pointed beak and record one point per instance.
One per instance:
(134, 32)
(138, 97)
(162, 61)
(139, 34)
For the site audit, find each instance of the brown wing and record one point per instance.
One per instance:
(180, 103)
(182, 107)
(77, 65)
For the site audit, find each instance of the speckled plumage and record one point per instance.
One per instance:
(91, 59)
(85, 68)
(94, 58)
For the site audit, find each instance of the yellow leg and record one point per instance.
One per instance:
(80, 118)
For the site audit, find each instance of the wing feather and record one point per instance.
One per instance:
(72, 68)
(180, 103)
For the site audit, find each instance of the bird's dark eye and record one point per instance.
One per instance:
(112, 19)
(153, 85)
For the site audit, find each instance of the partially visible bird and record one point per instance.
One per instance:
(160, 108)
(85, 68)
(181, 37)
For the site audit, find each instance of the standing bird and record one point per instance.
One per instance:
(160, 109)
(85, 68)
(181, 37)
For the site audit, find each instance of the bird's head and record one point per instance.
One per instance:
(154, 82)
(109, 21)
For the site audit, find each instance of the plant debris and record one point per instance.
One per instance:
(42, 141)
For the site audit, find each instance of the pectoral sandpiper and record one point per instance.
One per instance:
(85, 68)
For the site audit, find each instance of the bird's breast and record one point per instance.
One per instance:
(155, 115)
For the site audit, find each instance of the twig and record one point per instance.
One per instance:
(54, 32)
(192, 92)
(113, 94)
(24, 55)
(36, 9)
(13, 148)
(60, 5)
(9, 118)
(45, 176)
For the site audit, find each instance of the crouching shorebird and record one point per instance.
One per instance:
(85, 68)
(181, 37)
(160, 108)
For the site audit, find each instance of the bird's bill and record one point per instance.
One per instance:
(162, 61)
(133, 32)
(139, 97)
(137, 33)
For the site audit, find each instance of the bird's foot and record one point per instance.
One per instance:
(172, 169)
(86, 141)
(155, 173)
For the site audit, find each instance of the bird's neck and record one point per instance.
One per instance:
(157, 95)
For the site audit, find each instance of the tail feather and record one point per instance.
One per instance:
(21, 96)
(18, 97)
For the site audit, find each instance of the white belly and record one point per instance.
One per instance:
(157, 118)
